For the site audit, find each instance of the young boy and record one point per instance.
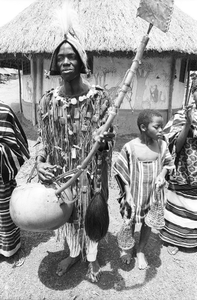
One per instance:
(141, 165)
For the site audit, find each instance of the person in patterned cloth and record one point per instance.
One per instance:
(70, 119)
(181, 209)
(140, 168)
(13, 149)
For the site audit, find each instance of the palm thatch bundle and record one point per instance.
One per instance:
(109, 26)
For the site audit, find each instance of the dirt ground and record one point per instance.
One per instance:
(166, 278)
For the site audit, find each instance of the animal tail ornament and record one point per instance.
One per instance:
(97, 215)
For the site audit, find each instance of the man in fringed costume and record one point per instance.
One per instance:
(181, 209)
(13, 148)
(70, 117)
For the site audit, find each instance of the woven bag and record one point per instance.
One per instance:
(155, 216)
(125, 238)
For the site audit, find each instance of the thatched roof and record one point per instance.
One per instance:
(109, 26)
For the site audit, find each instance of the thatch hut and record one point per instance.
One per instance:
(112, 34)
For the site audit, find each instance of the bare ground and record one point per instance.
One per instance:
(168, 277)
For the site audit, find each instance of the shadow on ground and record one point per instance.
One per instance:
(108, 255)
(30, 240)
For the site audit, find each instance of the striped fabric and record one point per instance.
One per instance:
(9, 233)
(181, 208)
(13, 145)
(180, 220)
(73, 237)
(140, 176)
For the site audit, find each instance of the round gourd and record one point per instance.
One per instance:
(35, 207)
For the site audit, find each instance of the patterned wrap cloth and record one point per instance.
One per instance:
(66, 129)
(181, 207)
(186, 165)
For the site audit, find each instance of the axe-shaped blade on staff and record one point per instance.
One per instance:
(156, 13)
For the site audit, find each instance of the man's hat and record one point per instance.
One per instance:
(79, 49)
(67, 20)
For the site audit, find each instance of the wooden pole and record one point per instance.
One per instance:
(39, 78)
(20, 89)
(188, 92)
(33, 73)
(171, 88)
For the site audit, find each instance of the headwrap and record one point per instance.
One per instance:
(68, 21)
(74, 42)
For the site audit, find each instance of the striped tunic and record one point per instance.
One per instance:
(13, 146)
(140, 176)
(181, 208)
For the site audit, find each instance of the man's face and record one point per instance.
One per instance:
(68, 62)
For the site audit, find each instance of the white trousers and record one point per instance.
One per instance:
(73, 241)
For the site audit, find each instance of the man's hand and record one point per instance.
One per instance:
(103, 138)
(45, 171)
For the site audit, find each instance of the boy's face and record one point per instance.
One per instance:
(68, 62)
(155, 128)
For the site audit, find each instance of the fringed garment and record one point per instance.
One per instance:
(66, 128)
(13, 146)
(181, 208)
(140, 176)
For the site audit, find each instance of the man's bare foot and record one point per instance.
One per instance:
(126, 256)
(142, 262)
(94, 271)
(66, 264)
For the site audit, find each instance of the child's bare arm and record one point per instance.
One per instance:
(129, 199)
(160, 180)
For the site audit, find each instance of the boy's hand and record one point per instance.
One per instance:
(160, 181)
(130, 203)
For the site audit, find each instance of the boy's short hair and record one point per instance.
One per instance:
(145, 117)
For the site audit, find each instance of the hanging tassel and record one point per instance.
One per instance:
(97, 218)
(97, 215)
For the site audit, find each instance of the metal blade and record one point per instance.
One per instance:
(156, 12)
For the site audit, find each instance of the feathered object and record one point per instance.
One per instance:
(67, 20)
